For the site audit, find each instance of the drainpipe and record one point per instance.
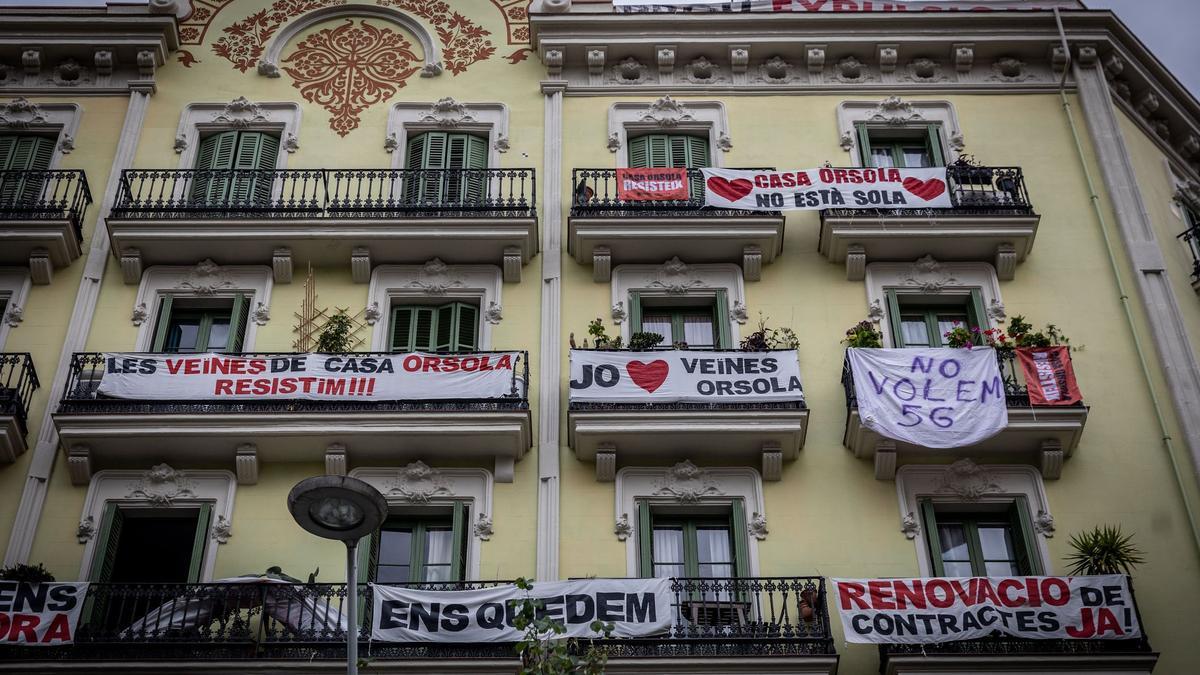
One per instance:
(1122, 295)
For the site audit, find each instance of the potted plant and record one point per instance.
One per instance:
(767, 339)
(967, 171)
(1103, 550)
(30, 574)
(863, 334)
(643, 341)
(336, 337)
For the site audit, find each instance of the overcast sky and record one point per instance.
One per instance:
(1168, 28)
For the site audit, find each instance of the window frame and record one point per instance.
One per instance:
(731, 513)
(719, 319)
(972, 308)
(928, 277)
(871, 136)
(627, 119)
(458, 519)
(1016, 517)
(15, 285)
(411, 284)
(238, 320)
(722, 283)
(162, 284)
(434, 344)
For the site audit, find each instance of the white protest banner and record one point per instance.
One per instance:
(847, 6)
(688, 376)
(814, 189)
(635, 607)
(935, 398)
(325, 377)
(40, 614)
(932, 610)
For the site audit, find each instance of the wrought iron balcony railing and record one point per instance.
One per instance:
(224, 194)
(18, 379)
(768, 616)
(974, 190)
(1015, 391)
(595, 195)
(1191, 237)
(82, 395)
(45, 195)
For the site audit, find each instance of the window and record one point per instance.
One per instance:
(176, 536)
(704, 325)
(709, 543)
(20, 154)
(217, 325)
(914, 148)
(420, 548)
(990, 540)
(919, 321)
(452, 327)
(451, 168)
(233, 167)
(657, 151)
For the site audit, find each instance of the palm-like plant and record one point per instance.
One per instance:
(1103, 550)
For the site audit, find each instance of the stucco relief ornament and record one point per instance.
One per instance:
(418, 483)
(1009, 69)
(86, 530)
(923, 69)
(614, 142)
(67, 144)
(447, 113)
(291, 144)
(623, 528)
(667, 112)
(1044, 524)
(206, 278)
(494, 313)
(995, 311)
(909, 526)
(391, 143)
(967, 480)
(724, 142)
(629, 71)
(847, 141)
(222, 530)
(483, 527)
(702, 71)
(21, 113)
(618, 312)
(161, 486)
(241, 113)
(372, 314)
(181, 144)
(675, 277)
(435, 278)
(739, 312)
(875, 311)
(261, 314)
(895, 112)
(14, 315)
(928, 275)
(140, 313)
(757, 526)
(501, 145)
(687, 483)
(776, 70)
(851, 70)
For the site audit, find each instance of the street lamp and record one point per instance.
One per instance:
(346, 509)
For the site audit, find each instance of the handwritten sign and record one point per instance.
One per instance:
(935, 398)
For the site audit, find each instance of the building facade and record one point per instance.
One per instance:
(228, 175)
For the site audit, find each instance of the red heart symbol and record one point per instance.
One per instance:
(925, 189)
(648, 376)
(732, 190)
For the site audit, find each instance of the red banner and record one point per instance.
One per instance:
(1049, 375)
(647, 185)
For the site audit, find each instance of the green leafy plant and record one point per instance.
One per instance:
(1023, 335)
(1103, 550)
(641, 341)
(544, 652)
(960, 337)
(767, 338)
(335, 337)
(32, 574)
(863, 334)
(600, 336)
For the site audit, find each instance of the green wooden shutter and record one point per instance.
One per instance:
(216, 154)
(741, 547)
(975, 311)
(402, 329)
(864, 144)
(635, 311)
(413, 163)
(21, 154)
(255, 151)
(935, 144)
(721, 316)
(238, 317)
(164, 321)
(459, 527)
(893, 311)
(199, 541)
(8, 144)
(929, 522)
(466, 327)
(1028, 560)
(424, 329)
(645, 538)
(366, 559)
(475, 161)
(659, 151)
(639, 152)
(445, 325)
(107, 538)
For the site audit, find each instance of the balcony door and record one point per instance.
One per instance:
(190, 325)
(907, 148)
(923, 321)
(453, 327)
(982, 540)
(446, 169)
(662, 151)
(235, 168)
(699, 323)
(20, 155)
(139, 546)
(428, 546)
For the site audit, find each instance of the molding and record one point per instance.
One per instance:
(417, 485)
(927, 276)
(204, 280)
(268, 65)
(896, 113)
(61, 119)
(434, 280)
(674, 278)
(161, 487)
(666, 113)
(405, 119)
(689, 485)
(15, 284)
(240, 113)
(965, 482)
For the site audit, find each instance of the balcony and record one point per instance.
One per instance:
(272, 625)
(18, 379)
(365, 217)
(100, 432)
(41, 219)
(1043, 436)
(1012, 655)
(763, 433)
(1191, 237)
(608, 231)
(992, 220)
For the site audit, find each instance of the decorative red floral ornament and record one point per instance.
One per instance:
(348, 68)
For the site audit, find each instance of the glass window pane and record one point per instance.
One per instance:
(392, 574)
(882, 157)
(1001, 569)
(698, 330)
(913, 331)
(218, 334)
(437, 573)
(183, 334)
(657, 323)
(395, 546)
(916, 157)
(439, 545)
(667, 551)
(953, 537)
(996, 542)
(723, 571)
(713, 545)
(958, 569)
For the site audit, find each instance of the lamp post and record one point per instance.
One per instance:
(345, 509)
